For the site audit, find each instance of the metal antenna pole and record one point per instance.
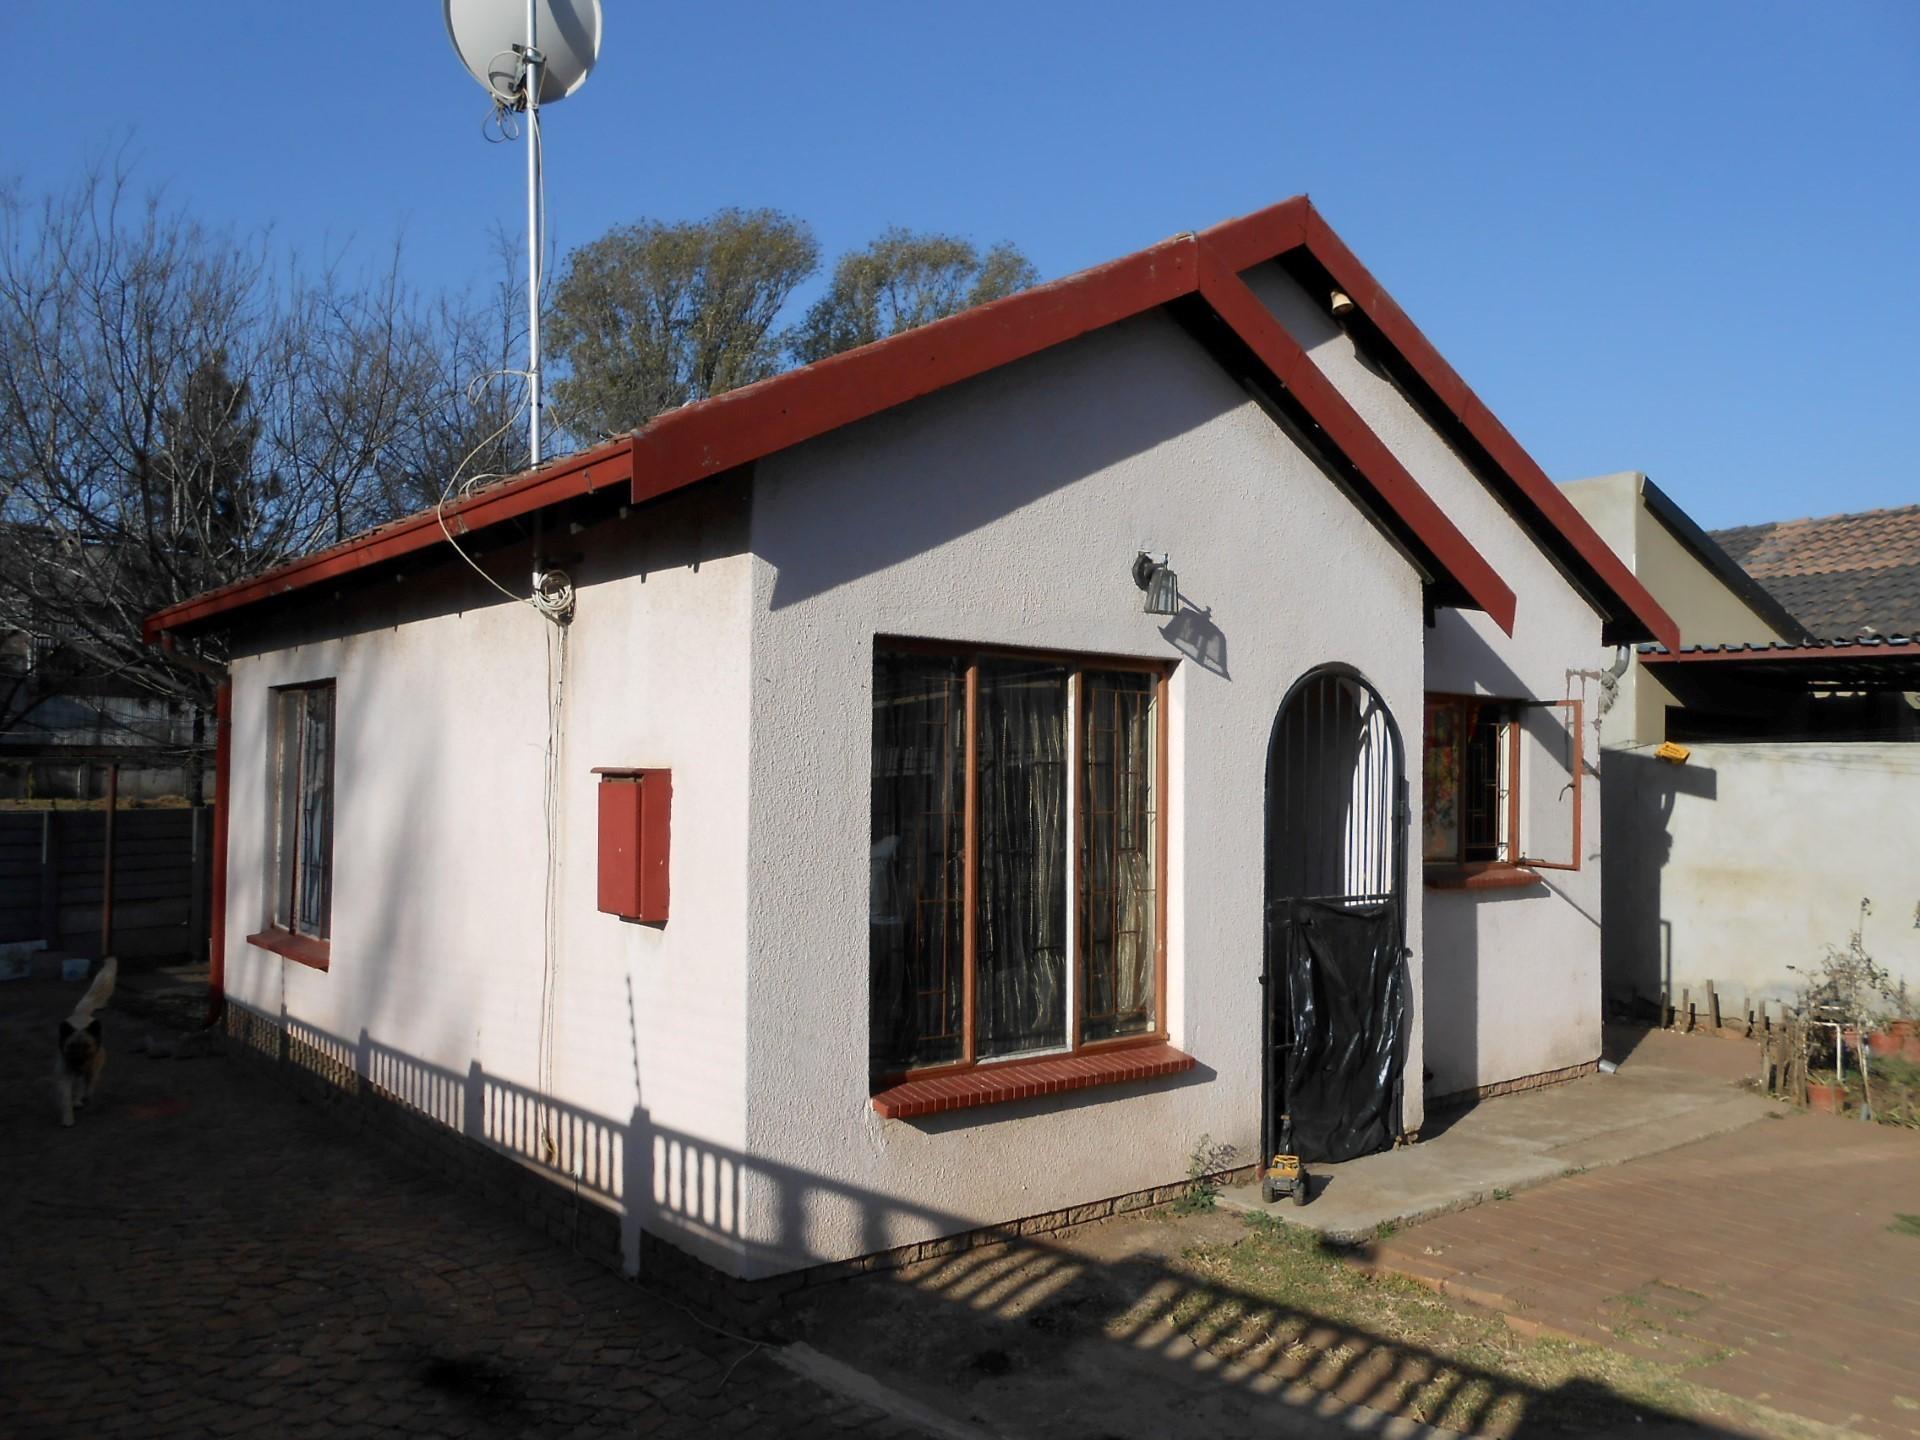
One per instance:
(534, 61)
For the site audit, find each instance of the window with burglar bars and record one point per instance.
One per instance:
(1017, 850)
(303, 810)
(1501, 783)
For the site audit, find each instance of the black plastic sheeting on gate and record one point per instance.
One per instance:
(1344, 1023)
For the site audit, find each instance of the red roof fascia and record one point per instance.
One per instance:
(576, 475)
(1245, 314)
(1453, 392)
(760, 419)
(686, 445)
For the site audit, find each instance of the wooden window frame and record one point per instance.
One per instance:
(1515, 868)
(1077, 664)
(287, 939)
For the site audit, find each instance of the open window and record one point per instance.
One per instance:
(1547, 734)
(1501, 790)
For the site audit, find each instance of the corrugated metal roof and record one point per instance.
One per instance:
(1869, 664)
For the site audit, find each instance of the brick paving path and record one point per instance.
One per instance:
(203, 1255)
(1763, 1258)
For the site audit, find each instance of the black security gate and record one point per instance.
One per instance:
(1335, 1003)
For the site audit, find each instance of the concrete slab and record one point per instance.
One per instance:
(1668, 1092)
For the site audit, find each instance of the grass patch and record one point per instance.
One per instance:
(1905, 1224)
(1282, 1302)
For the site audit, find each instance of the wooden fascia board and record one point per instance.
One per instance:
(1554, 510)
(758, 420)
(1292, 368)
(567, 479)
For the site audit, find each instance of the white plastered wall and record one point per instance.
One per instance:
(1512, 977)
(437, 969)
(1754, 859)
(1008, 510)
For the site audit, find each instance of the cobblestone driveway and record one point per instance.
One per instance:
(202, 1255)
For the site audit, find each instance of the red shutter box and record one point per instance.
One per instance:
(634, 807)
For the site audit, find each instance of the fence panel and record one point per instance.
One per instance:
(52, 879)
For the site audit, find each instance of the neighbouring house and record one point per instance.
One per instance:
(66, 717)
(1797, 700)
(977, 771)
(1845, 577)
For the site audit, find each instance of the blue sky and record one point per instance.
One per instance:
(1675, 237)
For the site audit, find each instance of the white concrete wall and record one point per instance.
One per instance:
(1700, 602)
(1512, 977)
(436, 978)
(1009, 510)
(1753, 858)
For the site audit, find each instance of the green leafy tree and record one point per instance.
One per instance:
(653, 315)
(903, 280)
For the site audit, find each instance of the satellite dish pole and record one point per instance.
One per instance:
(524, 52)
(535, 62)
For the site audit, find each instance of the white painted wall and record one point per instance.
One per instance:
(1729, 886)
(715, 1071)
(1009, 510)
(1512, 977)
(439, 880)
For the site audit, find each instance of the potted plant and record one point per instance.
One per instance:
(1826, 1097)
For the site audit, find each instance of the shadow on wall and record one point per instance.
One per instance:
(1195, 635)
(953, 463)
(1637, 796)
(1183, 1331)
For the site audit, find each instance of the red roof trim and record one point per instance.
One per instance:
(1242, 310)
(758, 420)
(576, 475)
(686, 445)
(1453, 392)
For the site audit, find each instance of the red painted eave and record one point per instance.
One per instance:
(1638, 608)
(757, 420)
(565, 479)
(686, 445)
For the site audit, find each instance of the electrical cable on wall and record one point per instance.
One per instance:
(523, 66)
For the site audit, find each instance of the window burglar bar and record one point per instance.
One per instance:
(1005, 784)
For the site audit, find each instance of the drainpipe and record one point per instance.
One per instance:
(217, 904)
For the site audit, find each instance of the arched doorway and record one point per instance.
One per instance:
(1336, 1004)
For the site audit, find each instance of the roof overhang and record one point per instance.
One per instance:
(1195, 277)
(1816, 665)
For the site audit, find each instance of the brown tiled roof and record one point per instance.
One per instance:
(1839, 574)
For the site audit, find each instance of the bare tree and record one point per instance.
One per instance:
(653, 315)
(903, 280)
(181, 408)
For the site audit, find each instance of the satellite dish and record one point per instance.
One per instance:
(485, 34)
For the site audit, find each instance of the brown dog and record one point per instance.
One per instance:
(83, 1053)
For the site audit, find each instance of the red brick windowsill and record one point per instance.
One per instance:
(1055, 1075)
(1480, 877)
(302, 948)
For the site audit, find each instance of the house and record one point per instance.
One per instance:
(862, 862)
(1795, 701)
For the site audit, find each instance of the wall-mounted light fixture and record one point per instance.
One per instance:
(1151, 574)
